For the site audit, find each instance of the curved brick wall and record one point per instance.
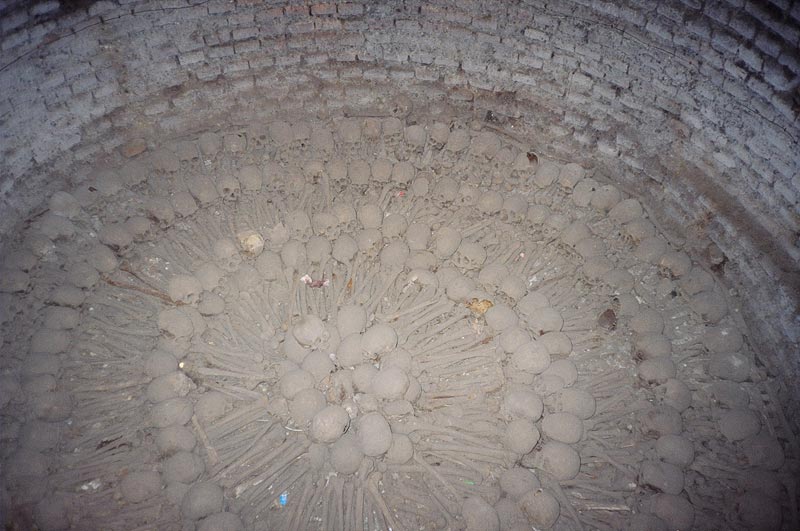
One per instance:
(692, 105)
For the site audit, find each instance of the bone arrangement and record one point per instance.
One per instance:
(364, 324)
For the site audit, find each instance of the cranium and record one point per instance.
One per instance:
(346, 215)
(318, 249)
(446, 242)
(394, 226)
(492, 276)
(293, 255)
(299, 225)
(185, 289)
(382, 170)
(467, 195)
(358, 173)
(314, 170)
(515, 207)
(523, 168)
(235, 142)
(415, 139)
(370, 242)
(417, 236)
(280, 133)
(301, 135)
(141, 228)
(203, 189)
(470, 256)
(370, 216)
(457, 142)
(337, 172)
(228, 187)
(349, 131)
(445, 191)
(322, 140)
(438, 135)
(251, 242)
(392, 129)
(184, 204)
(251, 178)
(484, 146)
(325, 224)
(209, 144)
(117, 237)
(403, 173)
(490, 202)
(227, 255)
(310, 331)
(344, 248)
(160, 210)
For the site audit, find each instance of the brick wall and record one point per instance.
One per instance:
(691, 104)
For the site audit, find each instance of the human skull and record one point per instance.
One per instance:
(299, 225)
(438, 135)
(457, 143)
(515, 207)
(185, 289)
(446, 242)
(337, 172)
(445, 191)
(484, 146)
(490, 202)
(228, 187)
(322, 140)
(392, 129)
(314, 171)
(251, 242)
(325, 224)
(310, 331)
(318, 249)
(370, 242)
(394, 226)
(117, 237)
(235, 142)
(467, 195)
(141, 228)
(227, 255)
(203, 189)
(470, 256)
(251, 178)
(346, 215)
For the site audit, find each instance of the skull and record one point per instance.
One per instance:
(393, 130)
(322, 140)
(227, 255)
(184, 204)
(358, 173)
(370, 242)
(314, 170)
(325, 224)
(492, 276)
(344, 248)
(403, 173)
(280, 133)
(251, 178)
(370, 216)
(382, 171)
(337, 170)
(371, 130)
(318, 249)
(446, 241)
(445, 191)
(490, 202)
(439, 133)
(310, 331)
(299, 225)
(228, 187)
(523, 167)
(421, 279)
(203, 189)
(484, 147)
(415, 139)
(293, 255)
(160, 210)
(257, 135)
(469, 256)
(185, 289)
(394, 226)
(346, 215)
(251, 242)
(467, 195)
(235, 142)
(457, 142)
(350, 131)
(117, 237)
(515, 207)
(141, 228)
(301, 135)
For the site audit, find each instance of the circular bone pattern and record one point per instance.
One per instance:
(369, 333)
